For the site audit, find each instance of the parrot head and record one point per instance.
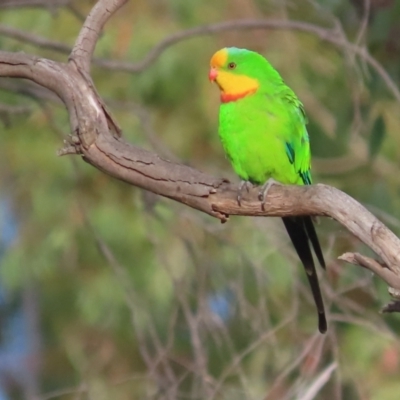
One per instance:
(239, 72)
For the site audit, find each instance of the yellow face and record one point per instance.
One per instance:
(230, 82)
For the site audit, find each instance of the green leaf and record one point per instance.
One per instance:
(377, 135)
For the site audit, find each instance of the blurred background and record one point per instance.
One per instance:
(109, 292)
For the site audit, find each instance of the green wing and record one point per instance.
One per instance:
(298, 142)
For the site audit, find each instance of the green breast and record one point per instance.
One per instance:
(254, 132)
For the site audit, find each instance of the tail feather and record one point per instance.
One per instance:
(312, 235)
(299, 232)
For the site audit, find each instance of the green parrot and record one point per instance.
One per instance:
(262, 127)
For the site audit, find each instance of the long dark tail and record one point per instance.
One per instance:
(301, 230)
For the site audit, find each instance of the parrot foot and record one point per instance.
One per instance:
(262, 194)
(243, 184)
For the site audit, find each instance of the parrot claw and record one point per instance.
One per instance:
(262, 194)
(243, 184)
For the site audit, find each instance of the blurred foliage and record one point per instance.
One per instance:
(143, 322)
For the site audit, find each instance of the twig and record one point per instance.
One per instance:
(11, 109)
(379, 269)
(329, 35)
(85, 50)
(393, 306)
(132, 303)
(251, 347)
(319, 382)
(293, 364)
(364, 22)
(33, 3)
(32, 39)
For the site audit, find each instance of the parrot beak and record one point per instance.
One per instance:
(212, 75)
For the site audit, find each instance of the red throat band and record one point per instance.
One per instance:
(227, 97)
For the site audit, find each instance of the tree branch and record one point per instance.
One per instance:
(35, 40)
(86, 42)
(93, 131)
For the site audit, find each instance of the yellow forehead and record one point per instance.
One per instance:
(219, 58)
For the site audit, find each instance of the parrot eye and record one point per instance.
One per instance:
(232, 65)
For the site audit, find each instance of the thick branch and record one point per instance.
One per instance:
(218, 197)
(92, 128)
(86, 42)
